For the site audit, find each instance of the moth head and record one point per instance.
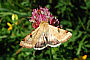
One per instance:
(44, 26)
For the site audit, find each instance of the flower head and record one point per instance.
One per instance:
(42, 14)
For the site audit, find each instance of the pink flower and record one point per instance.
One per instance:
(42, 14)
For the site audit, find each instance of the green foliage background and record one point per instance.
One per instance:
(74, 16)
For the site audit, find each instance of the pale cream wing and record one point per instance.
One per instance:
(36, 41)
(42, 37)
(56, 36)
(28, 41)
(42, 42)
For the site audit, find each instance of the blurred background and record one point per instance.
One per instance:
(74, 16)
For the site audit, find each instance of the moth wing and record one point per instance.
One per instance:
(56, 36)
(28, 41)
(42, 42)
(36, 41)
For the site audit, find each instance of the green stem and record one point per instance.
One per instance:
(81, 44)
(51, 56)
(81, 23)
(33, 53)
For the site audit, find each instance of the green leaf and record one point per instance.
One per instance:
(80, 45)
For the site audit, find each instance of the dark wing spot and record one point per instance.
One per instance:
(23, 39)
(40, 45)
(66, 31)
(30, 35)
(58, 30)
(46, 38)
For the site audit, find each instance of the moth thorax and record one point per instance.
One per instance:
(43, 23)
(44, 26)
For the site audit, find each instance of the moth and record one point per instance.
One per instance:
(45, 35)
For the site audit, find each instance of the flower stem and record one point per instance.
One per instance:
(81, 23)
(51, 56)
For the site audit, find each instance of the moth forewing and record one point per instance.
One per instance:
(65, 35)
(41, 44)
(30, 41)
(43, 27)
(26, 42)
(60, 34)
(35, 35)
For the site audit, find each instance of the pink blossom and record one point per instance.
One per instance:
(43, 14)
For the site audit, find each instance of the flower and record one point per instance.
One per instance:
(16, 23)
(84, 57)
(42, 14)
(10, 26)
(14, 17)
